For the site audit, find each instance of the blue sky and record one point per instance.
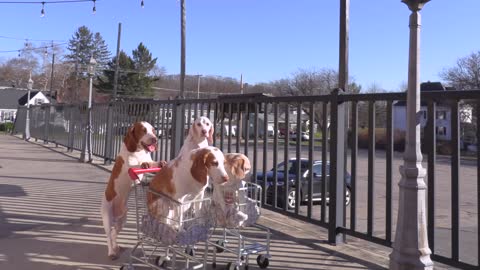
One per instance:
(264, 40)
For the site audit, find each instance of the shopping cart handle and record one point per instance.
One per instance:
(134, 172)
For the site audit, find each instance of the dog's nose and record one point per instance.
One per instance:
(204, 131)
(225, 178)
(153, 141)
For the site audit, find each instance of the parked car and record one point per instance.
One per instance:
(292, 174)
(304, 136)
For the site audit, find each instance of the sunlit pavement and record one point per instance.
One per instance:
(50, 219)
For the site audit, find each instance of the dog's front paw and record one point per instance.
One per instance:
(145, 165)
(162, 163)
(116, 253)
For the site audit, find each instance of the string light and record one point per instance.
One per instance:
(42, 13)
(142, 5)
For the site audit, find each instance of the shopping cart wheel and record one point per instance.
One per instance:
(190, 251)
(221, 246)
(262, 261)
(232, 266)
(161, 261)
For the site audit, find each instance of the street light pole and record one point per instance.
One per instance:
(26, 135)
(410, 248)
(87, 145)
(198, 86)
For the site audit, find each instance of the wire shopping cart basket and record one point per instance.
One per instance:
(167, 228)
(240, 211)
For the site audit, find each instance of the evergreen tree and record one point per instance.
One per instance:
(83, 45)
(134, 79)
(143, 64)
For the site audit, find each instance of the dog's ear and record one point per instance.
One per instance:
(131, 142)
(199, 168)
(210, 134)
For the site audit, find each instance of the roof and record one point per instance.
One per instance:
(426, 87)
(23, 100)
(9, 97)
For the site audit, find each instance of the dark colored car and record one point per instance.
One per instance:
(292, 175)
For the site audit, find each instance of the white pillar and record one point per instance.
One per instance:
(410, 248)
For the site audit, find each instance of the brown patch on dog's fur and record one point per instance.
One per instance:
(238, 164)
(134, 133)
(117, 169)
(162, 182)
(202, 160)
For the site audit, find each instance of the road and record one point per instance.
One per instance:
(467, 199)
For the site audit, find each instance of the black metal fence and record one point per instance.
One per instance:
(300, 146)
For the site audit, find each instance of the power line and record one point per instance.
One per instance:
(35, 48)
(45, 2)
(29, 39)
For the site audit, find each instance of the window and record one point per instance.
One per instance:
(441, 114)
(38, 101)
(317, 169)
(441, 131)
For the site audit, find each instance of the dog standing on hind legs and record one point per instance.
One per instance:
(138, 143)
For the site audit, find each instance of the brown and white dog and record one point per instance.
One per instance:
(184, 179)
(227, 196)
(138, 143)
(199, 135)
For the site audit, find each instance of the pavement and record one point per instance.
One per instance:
(50, 219)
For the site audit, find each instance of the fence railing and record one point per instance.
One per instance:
(311, 152)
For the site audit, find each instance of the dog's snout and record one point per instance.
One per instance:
(225, 178)
(204, 131)
(153, 140)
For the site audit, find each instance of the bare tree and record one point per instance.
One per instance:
(313, 82)
(465, 75)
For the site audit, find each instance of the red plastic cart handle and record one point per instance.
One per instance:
(134, 172)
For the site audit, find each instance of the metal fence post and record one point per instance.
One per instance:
(46, 123)
(71, 129)
(336, 220)
(108, 136)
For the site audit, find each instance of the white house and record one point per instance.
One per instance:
(11, 98)
(443, 113)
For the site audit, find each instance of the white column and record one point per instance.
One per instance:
(410, 248)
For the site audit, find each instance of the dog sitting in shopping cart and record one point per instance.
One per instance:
(184, 179)
(138, 143)
(199, 135)
(228, 196)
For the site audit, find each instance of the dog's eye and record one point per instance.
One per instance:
(207, 124)
(198, 124)
(215, 163)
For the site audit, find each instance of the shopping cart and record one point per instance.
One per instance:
(167, 227)
(230, 237)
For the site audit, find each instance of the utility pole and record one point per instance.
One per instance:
(182, 48)
(51, 75)
(115, 78)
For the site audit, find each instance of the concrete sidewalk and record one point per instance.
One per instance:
(50, 219)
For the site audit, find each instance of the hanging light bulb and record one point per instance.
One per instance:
(142, 5)
(94, 10)
(42, 13)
